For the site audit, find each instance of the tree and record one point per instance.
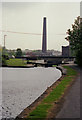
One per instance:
(18, 52)
(4, 56)
(75, 39)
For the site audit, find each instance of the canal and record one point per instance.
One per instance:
(22, 86)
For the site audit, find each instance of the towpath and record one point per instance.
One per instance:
(71, 106)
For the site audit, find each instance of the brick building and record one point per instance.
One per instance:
(65, 51)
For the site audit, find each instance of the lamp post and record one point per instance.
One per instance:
(4, 40)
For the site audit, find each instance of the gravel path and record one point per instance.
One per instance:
(71, 106)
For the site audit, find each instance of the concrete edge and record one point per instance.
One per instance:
(62, 69)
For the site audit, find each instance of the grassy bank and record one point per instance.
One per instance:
(16, 62)
(41, 111)
(54, 65)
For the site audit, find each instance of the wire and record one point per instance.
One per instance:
(21, 32)
(28, 33)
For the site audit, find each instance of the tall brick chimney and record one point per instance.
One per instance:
(44, 38)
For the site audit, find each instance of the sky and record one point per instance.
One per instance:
(27, 17)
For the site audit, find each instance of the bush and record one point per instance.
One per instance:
(4, 58)
(79, 58)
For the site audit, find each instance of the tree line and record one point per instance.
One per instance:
(75, 40)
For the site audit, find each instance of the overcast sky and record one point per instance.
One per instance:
(28, 18)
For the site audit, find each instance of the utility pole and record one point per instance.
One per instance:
(4, 40)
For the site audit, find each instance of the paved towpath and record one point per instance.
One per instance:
(71, 106)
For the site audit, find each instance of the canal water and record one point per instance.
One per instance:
(22, 86)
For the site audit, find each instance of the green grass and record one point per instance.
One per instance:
(54, 65)
(70, 71)
(41, 110)
(16, 62)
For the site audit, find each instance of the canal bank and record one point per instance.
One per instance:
(52, 112)
(71, 105)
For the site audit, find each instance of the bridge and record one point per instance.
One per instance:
(48, 60)
(45, 57)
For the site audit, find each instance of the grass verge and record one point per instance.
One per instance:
(54, 65)
(41, 111)
(16, 62)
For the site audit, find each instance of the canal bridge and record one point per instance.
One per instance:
(48, 60)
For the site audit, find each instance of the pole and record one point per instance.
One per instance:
(4, 40)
